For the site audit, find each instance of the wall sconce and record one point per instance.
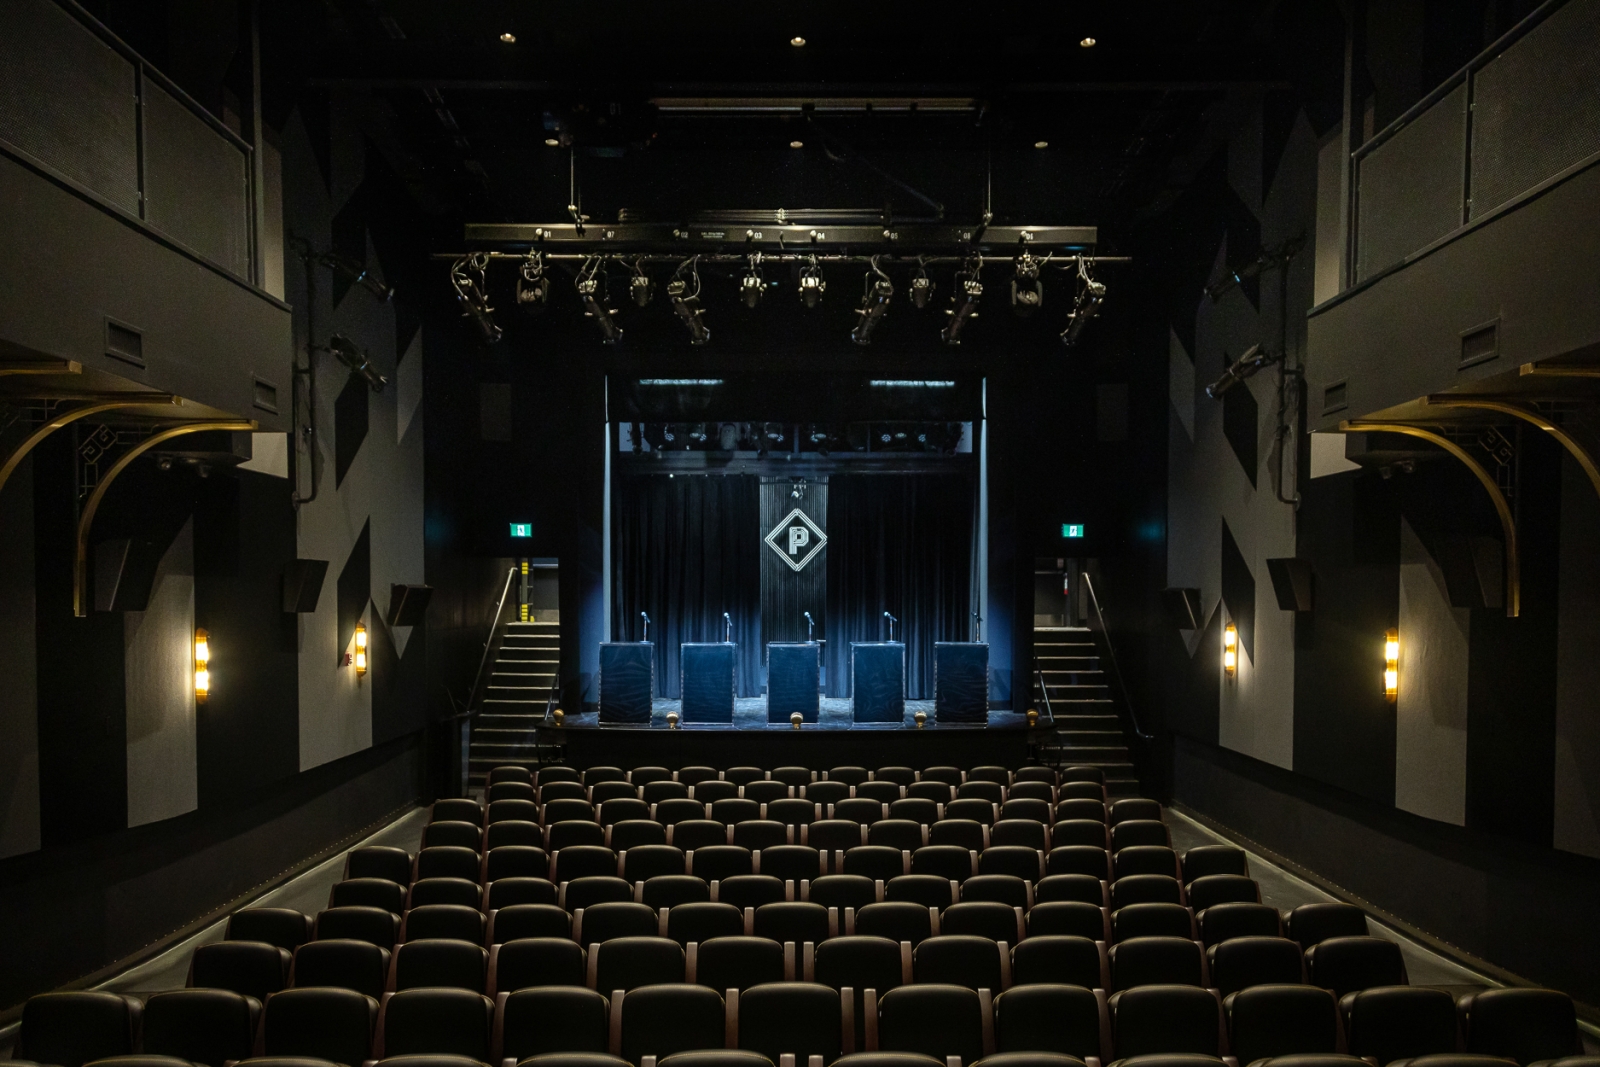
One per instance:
(1230, 649)
(1391, 665)
(202, 665)
(361, 649)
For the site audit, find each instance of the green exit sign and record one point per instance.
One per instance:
(1072, 529)
(522, 529)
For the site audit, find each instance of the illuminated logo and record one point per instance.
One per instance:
(796, 539)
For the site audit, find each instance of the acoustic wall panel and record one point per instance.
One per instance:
(197, 183)
(163, 773)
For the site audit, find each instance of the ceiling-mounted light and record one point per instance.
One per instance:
(1027, 289)
(798, 42)
(508, 37)
(1087, 302)
(684, 292)
(472, 293)
(202, 665)
(1088, 42)
(533, 288)
(874, 304)
(1041, 144)
(551, 142)
(751, 285)
(812, 284)
(969, 290)
(921, 286)
(355, 357)
(797, 144)
(596, 304)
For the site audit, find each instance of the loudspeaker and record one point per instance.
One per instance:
(124, 571)
(408, 604)
(1293, 582)
(1183, 608)
(302, 585)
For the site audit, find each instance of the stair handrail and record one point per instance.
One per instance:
(1111, 654)
(488, 642)
(1044, 691)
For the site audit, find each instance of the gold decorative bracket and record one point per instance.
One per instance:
(1527, 412)
(86, 516)
(67, 418)
(1561, 370)
(1502, 507)
(38, 366)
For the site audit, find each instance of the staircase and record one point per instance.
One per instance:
(505, 730)
(1089, 731)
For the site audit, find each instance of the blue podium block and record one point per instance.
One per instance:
(794, 673)
(960, 681)
(627, 680)
(706, 674)
(878, 681)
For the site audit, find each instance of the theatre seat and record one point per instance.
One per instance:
(883, 792)
(946, 861)
(990, 919)
(709, 793)
(674, 811)
(750, 890)
(1156, 961)
(792, 862)
(964, 960)
(693, 834)
(965, 833)
(1080, 791)
(451, 1021)
(623, 809)
(1166, 1019)
(878, 862)
(799, 1019)
(934, 1020)
(662, 1019)
(648, 861)
(1388, 1023)
(1147, 859)
(888, 1059)
(843, 891)
(835, 835)
(861, 963)
(603, 773)
(1204, 860)
(859, 810)
(629, 963)
(567, 834)
(283, 927)
(702, 922)
(368, 892)
(1145, 889)
(1092, 860)
(510, 772)
(898, 833)
(793, 775)
(1152, 920)
(1220, 922)
(445, 920)
(452, 832)
(717, 862)
(528, 920)
(531, 1022)
(928, 890)
(375, 925)
(740, 962)
(827, 792)
(1028, 833)
(993, 792)
(1007, 889)
(341, 964)
(1081, 887)
(1086, 808)
(555, 772)
(328, 1024)
(1311, 924)
(1030, 808)
(897, 921)
(1139, 832)
(587, 892)
(377, 861)
(693, 776)
(656, 792)
(1059, 960)
(1281, 1020)
(70, 1029)
(1243, 962)
(1063, 1019)
(561, 790)
(1018, 860)
(439, 963)
(1090, 832)
(938, 792)
(634, 833)
(529, 811)
(1024, 790)
(793, 812)
(456, 809)
(735, 810)
(604, 792)
(1213, 889)
(253, 968)
(535, 961)
(447, 861)
(583, 861)
(1067, 918)
(457, 891)
(1347, 964)
(974, 808)
(761, 834)
(602, 922)
(795, 921)
(1524, 1025)
(642, 776)
(672, 890)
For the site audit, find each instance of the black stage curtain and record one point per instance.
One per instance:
(687, 549)
(901, 543)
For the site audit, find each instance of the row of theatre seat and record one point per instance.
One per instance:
(595, 953)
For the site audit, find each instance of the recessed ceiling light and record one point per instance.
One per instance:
(1041, 144)
(551, 142)
(1087, 42)
(508, 37)
(798, 42)
(797, 144)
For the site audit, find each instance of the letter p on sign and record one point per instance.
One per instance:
(799, 537)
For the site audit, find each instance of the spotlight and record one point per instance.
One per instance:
(1041, 144)
(1230, 649)
(921, 287)
(1088, 42)
(874, 304)
(1244, 367)
(1391, 664)
(812, 284)
(472, 293)
(592, 291)
(1027, 290)
(968, 291)
(202, 665)
(551, 142)
(751, 285)
(356, 274)
(1090, 295)
(508, 37)
(797, 144)
(361, 649)
(641, 287)
(798, 42)
(533, 288)
(352, 356)
(686, 301)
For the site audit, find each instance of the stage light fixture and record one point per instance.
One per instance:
(202, 665)
(551, 142)
(508, 37)
(812, 284)
(1254, 358)
(467, 274)
(1230, 649)
(1391, 665)
(533, 288)
(1089, 297)
(751, 284)
(798, 42)
(874, 304)
(969, 290)
(1027, 288)
(361, 649)
(684, 292)
(921, 286)
(1088, 42)
(596, 305)
(356, 274)
(797, 144)
(641, 287)
(352, 356)
(1041, 144)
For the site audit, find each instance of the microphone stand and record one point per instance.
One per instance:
(727, 634)
(645, 615)
(892, 621)
(810, 627)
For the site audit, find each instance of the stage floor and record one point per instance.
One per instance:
(836, 713)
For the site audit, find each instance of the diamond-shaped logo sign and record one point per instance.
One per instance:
(796, 539)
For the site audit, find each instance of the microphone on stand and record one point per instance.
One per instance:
(810, 625)
(728, 632)
(892, 621)
(977, 626)
(645, 615)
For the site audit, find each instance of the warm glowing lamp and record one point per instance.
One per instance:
(202, 665)
(361, 649)
(1230, 648)
(1391, 664)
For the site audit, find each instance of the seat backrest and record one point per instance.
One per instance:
(1145, 889)
(879, 862)
(1521, 1024)
(444, 891)
(1092, 860)
(447, 861)
(1081, 832)
(1390, 1023)
(1151, 920)
(938, 792)
(662, 1019)
(760, 833)
(713, 791)
(738, 962)
(445, 920)
(515, 861)
(1082, 887)
(555, 772)
(1024, 790)
(983, 918)
(744, 775)
(858, 809)
(974, 808)
(1089, 809)
(567, 834)
(603, 773)
(253, 968)
(849, 774)
(792, 861)
(1243, 962)
(561, 790)
(830, 835)
(283, 927)
(596, 889)
(525, 810)
(535, 961)
(826, 792)
(1081, 791)
(792, 811)
(1029, 833)
(439, 962)
(792, 775)
(989, 773)
(897, 775)
(621, 809)
(860, 963)
(1139, 832)
(553, 811)
(453, 832)
(843, 891)
(676, 810)
(883, 792)
(510, 772)
(1050, 1018)
(1083, 774)
(377, 861)
(1059, 959)
(1214, 859)
(531, 1022)
(1222, 921)
(993, 792)
(645, 775)
(716, 862)
(511, 791)
(1311, 924)
(1212, 889)
(630, 963)
(1166, 1019)
(961, 959)
(342, 964)
(796, 921)
(1007, 889)
(70, 1029)
(801, 1019)
(456, 809)
(965, 833)
(381, 928)
(647, 861)
(1156, 961)
(692, 776)
(692, 834)
(456, 1021)
(580, 861)
(1348, 964)
(897, 833)
(1134, 808)
(329, 1024)
(1070, 918)
(704, 921)
(929, 890)
(735, 810)
(1147, 859)
(750, 890)
(895, 920)
(1023, 861)
(1281, 1020)
(632, 833)
(528, 920)
(656, 792)
(934, 1019)
(673, 890)
(1034, 773)
(1030, 808)
(950, 776)
(604, 791)
(602, 922)
(947, 861)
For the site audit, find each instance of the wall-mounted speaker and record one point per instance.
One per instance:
(302, 585)
(1183, 608)
(408, 604)
(1293, 581)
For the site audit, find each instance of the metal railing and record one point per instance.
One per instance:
(1044, 692)
(473, 699)
(1111, 655)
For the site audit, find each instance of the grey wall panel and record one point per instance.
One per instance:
(1410, 188)
(196, 183)
(1430, 744)
(1400, 338)
(19, 722)
(163, 772)
(65, 265)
